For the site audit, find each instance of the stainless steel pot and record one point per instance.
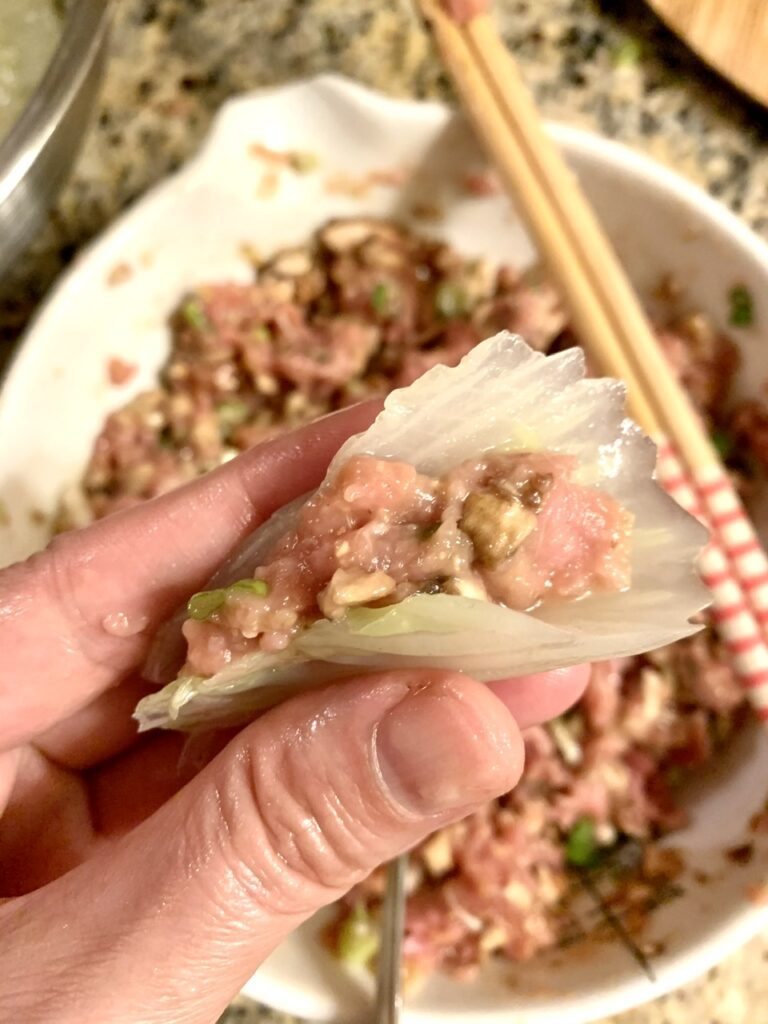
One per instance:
(38, 152)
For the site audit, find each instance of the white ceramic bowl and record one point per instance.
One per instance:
(191, 229)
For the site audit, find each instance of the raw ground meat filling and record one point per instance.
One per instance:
(364, 307)
(514, 529)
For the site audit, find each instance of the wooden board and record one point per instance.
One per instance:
(731, 35)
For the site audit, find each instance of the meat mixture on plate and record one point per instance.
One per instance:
(364, 307)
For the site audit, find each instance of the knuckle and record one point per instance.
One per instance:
(59, 576)
(292, 840)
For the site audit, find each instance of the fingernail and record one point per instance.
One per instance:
(440, 750)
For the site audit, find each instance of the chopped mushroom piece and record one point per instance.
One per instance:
(493, 939)
(347, 589)
(437, 853)
(341, 236)
(383, 253)
(567, 744)
(290, 263)
(293, 276)
(497, 526)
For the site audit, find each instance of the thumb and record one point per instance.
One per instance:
(298, 808)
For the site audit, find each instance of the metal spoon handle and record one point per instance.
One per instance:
(388, 994)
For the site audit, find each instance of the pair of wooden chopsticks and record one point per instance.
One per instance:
(611, 324)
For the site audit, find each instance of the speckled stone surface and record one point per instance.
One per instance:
(609, 66)
(174, 62)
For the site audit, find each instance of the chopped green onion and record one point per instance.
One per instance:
(259, 587)
(354, 388)
(628, 52)
(302, 162)
(203, 604)
(232, 412)
(193, 313)
(741, 311)
(261, 333)
(581, 845)
(381, 299)
(358, 938)
(450, 300)
(723, 442)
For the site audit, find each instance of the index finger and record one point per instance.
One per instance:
(77, 617)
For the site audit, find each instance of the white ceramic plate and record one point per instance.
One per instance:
(191, 229)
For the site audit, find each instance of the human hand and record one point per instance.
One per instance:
(135, 893)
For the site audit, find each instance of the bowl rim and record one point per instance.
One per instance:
(589, 145)
(84, 30)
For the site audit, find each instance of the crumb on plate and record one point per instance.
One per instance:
(119, 274)
(120, 371)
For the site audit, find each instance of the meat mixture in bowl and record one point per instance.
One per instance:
(364, 307)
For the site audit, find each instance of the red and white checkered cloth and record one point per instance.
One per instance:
(733, 566)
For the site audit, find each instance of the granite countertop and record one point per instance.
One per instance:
(606, 65)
